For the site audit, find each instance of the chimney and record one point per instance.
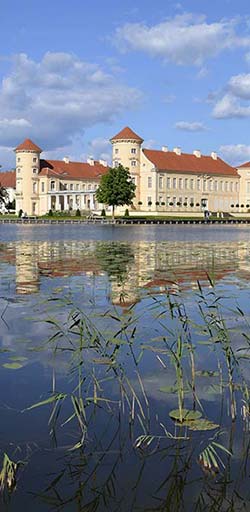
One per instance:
(197, 153)
(90, 160)
(214, 155)
(66, 159)
(103, 162)
(164, 149)
(177, 150)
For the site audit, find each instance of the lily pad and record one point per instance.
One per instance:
(202, 424)
(186, 415)
(12, 366)
(207, 373)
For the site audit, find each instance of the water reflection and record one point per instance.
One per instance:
(130, 267)
(116, 372)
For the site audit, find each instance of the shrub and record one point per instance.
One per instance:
(126, 214)
(78, 213)
(50, 214)
(103, 214)
(20, 213)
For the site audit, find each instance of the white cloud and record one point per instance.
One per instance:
(185, 39)
(169, 98)
(235, 154)
(229, 107)
(100, 148)
(56, 99)
(239, 85)
(202, 73)
(190, 126)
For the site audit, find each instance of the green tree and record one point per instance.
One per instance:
(116, 188)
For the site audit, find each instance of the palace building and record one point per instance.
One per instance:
(166, 181)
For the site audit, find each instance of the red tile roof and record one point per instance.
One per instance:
(27, 144)
(8, 179)
(71, 170)
(127, 133)
(170, 161)
(246, 164)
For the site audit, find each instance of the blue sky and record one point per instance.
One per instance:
(75, 73)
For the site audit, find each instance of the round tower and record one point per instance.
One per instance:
(127, 152)
(27, 181)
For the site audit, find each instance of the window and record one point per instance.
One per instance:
(133, 151)
(168, 200)
(231, 186)
(174, 201)
(150, 182)
(34, 171)
(19, 159)
(133, 179)
(248, 187)
(34, 160)
(42, 186)
(191, 184)
(83, 186)
(180, 183)
(89, 186)
(236, 186)
(221, 186)
(226, 186)
(180, 201)
(186, 183)
(204, 185)
(52, 185)
(210, 185)
(215, 186)
(149, 200)
(18, 170)
(198, 184)
(77, 186)
(160, 182)
(168, 182)
(71, 186)
(116, 163)
(34, 187)
(174, 182)
(133, 163)
(116, 151)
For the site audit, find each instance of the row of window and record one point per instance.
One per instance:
(196, 184)
(133, 163)
(184, 201)
(71, 186)
(34, 159)
(133, 151)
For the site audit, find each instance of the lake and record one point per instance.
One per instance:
(124, 382)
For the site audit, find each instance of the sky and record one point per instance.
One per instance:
(74, 73)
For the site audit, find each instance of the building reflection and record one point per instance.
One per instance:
(132, 269)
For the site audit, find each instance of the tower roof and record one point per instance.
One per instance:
(127, 133)
(28, 145)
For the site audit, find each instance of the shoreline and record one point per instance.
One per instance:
(125, 221)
